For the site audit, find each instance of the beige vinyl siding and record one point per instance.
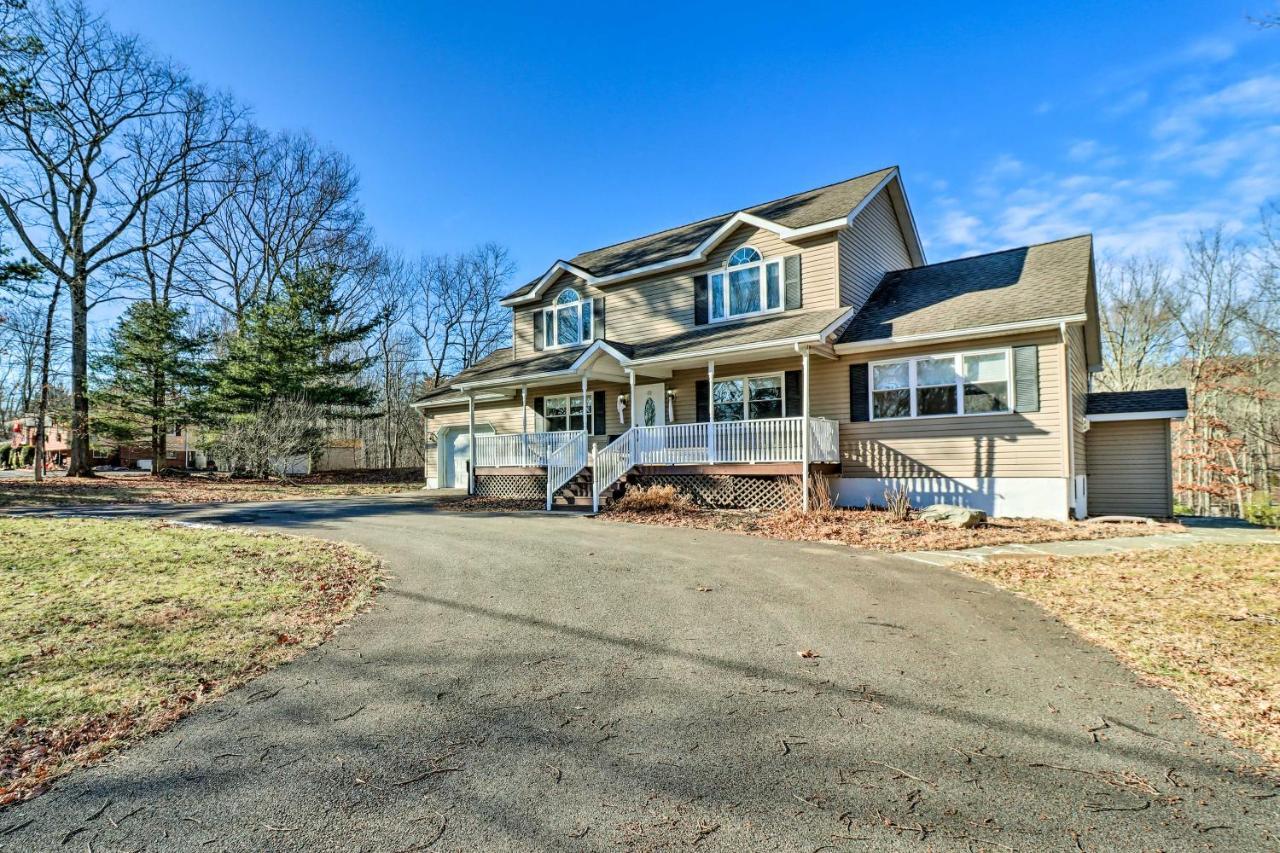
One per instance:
(1079, 375)
(871, 246)
(655, 307)
(1004, 445)
(1129, 468)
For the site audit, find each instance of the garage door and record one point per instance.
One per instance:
(1130, 468)
(455, 450)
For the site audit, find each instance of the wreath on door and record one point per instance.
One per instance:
(650, 412)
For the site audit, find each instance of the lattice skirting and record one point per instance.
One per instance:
(518, 486)
(719, 491)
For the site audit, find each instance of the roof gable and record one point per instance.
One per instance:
(792, 217)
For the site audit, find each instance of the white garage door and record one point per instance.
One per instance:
(455, 450)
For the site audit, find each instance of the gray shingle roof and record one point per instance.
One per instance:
(795, 211)
(789, 324)
(1031, 283)
(1133, 402)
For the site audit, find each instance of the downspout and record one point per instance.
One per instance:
(471, 443)
(1070, 431)
(805, 450)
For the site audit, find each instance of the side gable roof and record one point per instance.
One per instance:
(1101, 403)
(1049, 281)
(791, 217)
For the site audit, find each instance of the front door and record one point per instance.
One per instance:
(650, 406)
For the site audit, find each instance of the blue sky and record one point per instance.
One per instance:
(563, 130)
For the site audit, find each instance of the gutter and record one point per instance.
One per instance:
(955, 334)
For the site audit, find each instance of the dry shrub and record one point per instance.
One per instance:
(654, 499)
(898, 503)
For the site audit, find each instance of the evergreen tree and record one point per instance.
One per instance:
(154, 376)
(293, 345)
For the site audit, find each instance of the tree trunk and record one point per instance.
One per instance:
(45, 358)
(159, 426)
(80, 465)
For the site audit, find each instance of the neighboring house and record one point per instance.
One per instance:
(182, 450)
(798, 338)
(57, 437)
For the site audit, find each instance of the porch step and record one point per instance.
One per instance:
(576, 495)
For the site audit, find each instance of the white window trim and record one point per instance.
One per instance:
(762, 265)
(550, 321)
(746, 396)
(569, 416)
(958, 355)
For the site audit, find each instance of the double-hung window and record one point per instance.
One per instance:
(568, 322)
(748, 398)
(975, 383)
(563, 413)
(746, 285)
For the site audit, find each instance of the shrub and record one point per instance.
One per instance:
(28, 455)
(654, 499)
(898, 503)
(4, 457)
(1262, 511)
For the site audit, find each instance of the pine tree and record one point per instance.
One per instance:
(154, 377)
(293, 345)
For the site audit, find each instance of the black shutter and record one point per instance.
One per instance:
(702, 400)
(597, 319)
(538, 424)
(794, 393)
(1026, 378)
(859, 410)
(537, 329)
(597, 413)
(700, 300)
(791, 277)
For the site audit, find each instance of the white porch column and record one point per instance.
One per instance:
(585, 428)
(471, 444)
(711, 412)
(524, 425)
(631, 374)
(805, 449)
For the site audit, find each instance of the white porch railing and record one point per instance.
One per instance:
(565, 462)
(519, 450)
(731, 442)
(769, 440)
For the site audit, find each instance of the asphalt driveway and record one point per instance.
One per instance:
(552, 682)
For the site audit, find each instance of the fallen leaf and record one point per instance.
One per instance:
(808, 653)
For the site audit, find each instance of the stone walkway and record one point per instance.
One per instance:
(1198, 531)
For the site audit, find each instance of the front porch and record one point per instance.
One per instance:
(767, 456)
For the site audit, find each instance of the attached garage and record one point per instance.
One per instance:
(1130, 453)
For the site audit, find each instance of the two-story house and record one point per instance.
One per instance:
(741, 356)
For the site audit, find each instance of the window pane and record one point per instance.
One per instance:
(765, 397)
(773, 286)
(940, 400)
(555, 406)
(887, 376)
(758, 409)
(727, 396)
(936, 371)
(557, 424)
(986, 397)
(548, 328)
(745, 255)
(586, 321)
(567, 331)
(988, 367)
(717, 296)
(567, 296)
(744, 291)
(891, 404)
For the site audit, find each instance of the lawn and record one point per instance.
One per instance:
(110, 630)
(1203, 622)
(872, 528)
(110, 488)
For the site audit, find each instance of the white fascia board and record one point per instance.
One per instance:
(973, 332)
(571, 370)
(726, 350)
(1167, 414)
(457, 400)
(698, 255)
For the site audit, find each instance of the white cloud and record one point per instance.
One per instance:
(1043, 108)
(959, 229)
(1085, 149)
(1212, 49)
(1255, 97)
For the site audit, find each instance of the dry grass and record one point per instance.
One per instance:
(1203, 622)
(654, 499)
(111, 630)
(476, 503)
(114, 488)
(863, 528)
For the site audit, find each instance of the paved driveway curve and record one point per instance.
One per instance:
(540, 682)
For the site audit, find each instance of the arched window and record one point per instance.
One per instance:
(568, 322)
(747, 285)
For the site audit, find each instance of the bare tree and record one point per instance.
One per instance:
(293, 204)
(272, 441)
(108, 128)
(1138, 322)
(458, 317)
